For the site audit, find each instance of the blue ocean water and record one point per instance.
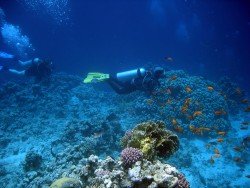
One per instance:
(49, 129)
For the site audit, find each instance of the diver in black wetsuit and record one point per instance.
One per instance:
(37, 68)
(139, 79)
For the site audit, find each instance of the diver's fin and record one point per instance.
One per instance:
(95, 77)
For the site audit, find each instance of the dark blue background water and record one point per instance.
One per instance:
(209, 38)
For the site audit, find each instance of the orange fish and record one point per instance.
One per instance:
(197, 113)
(169, 59)
(97, 134)
(168, 91)
(191, 127)
(238, 149)
(211, 160)
(247, 109)
(178, 129)
(238, 91)
(210, 88)
(245, 123)
(237, 159)
(217, 155)
(208, 146)
(174, 77)
(220, 140)
(198, 130)
(149, 101)
(205, 128)
(162, 104)
(220, 112)
(155, 93)
(174, 122)
(188, 89)
(184, 109)
(243, 127)
(215, 127)
(222, 133)
(216, 151)
(169, 101)
(244, 101)
(186, 105)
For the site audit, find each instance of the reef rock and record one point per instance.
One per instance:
(96, 173)
(66, 183)
(153, 139)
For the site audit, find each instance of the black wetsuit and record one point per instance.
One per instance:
(39, 70)
(145, 83)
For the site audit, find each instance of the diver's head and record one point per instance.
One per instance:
(37, 60)
(158, 72)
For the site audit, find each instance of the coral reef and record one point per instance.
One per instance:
(153, 140)
(130, 156)
(66, 121)
(32, 161)
(184, 100)
(3, 171)
(232, 93)
(110, 173)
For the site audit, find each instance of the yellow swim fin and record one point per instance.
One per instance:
(93, 77)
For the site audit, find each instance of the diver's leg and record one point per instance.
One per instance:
(16, 72)
(25, 63)
(116, 86)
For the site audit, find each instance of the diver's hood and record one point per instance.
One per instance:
(129, 75)
(158, 72)
(37, 60)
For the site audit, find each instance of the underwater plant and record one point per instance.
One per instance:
(153, 139)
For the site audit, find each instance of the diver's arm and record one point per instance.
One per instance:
(25, 63)
(16, 72)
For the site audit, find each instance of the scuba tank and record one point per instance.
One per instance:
(129, 75)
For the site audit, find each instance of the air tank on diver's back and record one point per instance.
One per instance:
(129, 75)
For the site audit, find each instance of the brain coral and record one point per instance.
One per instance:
(153, 140)
(66, 183)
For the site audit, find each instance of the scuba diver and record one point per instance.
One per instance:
(36, 67)
(130, 81)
